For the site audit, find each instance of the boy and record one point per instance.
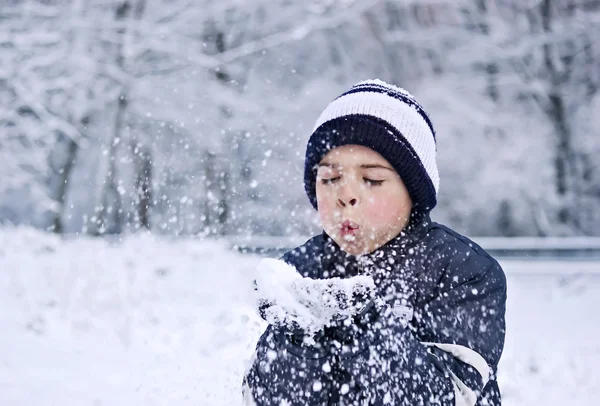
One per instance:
(434, 332)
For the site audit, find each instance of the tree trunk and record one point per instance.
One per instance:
(143, 185)
(143, 178)
(223, 208)
(108, 187)
(216, 174)
(107, 170)
(61, 183)
(142, 158)
(556, 111)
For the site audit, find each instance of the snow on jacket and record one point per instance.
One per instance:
(437, 341)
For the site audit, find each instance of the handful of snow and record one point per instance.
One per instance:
(289, 300)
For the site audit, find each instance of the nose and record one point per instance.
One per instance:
(352, 202)
(348, 196)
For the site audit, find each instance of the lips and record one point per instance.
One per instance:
(349, 227)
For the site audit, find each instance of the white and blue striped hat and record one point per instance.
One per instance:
(388, 120)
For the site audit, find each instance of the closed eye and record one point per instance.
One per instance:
(372, 182)
(330, 180)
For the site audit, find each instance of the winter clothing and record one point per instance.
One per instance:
(436, 340)
(388, 120)
(434, 332)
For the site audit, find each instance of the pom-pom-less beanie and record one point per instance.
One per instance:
(388, 120)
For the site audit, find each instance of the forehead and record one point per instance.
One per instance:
(353, 155)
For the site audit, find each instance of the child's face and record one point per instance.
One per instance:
(362, 201)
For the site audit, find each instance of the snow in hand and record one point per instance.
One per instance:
(304, 303)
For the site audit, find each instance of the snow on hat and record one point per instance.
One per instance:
(388, 120)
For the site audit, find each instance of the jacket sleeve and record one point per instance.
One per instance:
(451, 350)
(464, 325)
(284, 371)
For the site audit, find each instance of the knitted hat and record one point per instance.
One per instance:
(388, 120)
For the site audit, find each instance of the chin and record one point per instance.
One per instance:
(352, 249)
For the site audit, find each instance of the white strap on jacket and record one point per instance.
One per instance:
(464, 395)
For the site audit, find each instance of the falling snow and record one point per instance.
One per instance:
(138, 139)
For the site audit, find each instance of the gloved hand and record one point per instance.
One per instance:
(276, 299)
(287, 300)
(334, 299)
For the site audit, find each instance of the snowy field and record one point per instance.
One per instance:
(152, 321)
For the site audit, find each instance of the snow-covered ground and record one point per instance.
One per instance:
(152, 321)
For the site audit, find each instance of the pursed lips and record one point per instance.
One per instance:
(348, 227)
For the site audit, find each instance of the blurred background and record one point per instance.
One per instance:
(188, 117)
(142, 140)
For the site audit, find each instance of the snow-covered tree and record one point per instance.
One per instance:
(536, 64)
(192, 117)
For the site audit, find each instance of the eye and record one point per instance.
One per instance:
(372, 182)
(330, 180)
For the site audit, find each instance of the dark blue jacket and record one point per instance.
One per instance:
(451, 291)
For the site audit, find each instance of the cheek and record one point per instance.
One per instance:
(385, 211)
(378, 210)
(325, 205)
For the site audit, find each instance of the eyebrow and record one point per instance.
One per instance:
(363, 166)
